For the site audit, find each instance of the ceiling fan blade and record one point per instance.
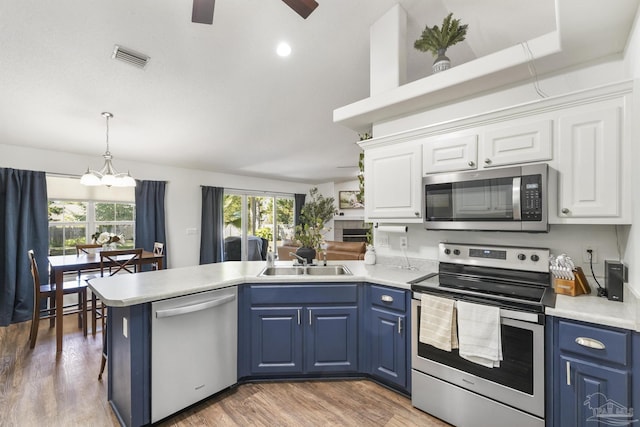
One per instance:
(203, 11)
(302, 7)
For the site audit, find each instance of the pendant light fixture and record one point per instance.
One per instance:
(107, 175)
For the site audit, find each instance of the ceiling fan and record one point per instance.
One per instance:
(203, 9)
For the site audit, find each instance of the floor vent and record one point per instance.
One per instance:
(130, 56)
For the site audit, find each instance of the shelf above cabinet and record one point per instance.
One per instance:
(485, 73)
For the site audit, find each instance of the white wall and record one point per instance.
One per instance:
(183, 196)
(632, 68)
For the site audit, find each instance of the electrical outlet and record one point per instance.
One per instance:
(382, 241)
(586, 256)
(403, 242)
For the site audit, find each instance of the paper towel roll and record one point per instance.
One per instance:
(392, 228)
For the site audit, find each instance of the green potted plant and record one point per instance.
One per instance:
(438, 40)
(311, 223)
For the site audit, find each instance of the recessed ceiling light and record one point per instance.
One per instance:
(283, 49)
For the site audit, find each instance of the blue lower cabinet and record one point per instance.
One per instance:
(299, 330)
(276, 338)
(388, 343)
(388, 335)
(331, 339)
(591, 375)
(588, 388)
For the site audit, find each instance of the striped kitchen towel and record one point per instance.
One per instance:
(438, 322)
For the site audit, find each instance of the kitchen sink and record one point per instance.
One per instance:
(328, 270)
(310, 270)
(282, 271)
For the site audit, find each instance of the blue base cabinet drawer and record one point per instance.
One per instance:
(607, 345)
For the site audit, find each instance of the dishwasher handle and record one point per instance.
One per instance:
(194, 307)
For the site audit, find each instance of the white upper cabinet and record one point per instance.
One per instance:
(517, 143)
(507, 143)
(451, 153)
(592, 167)
(393, 183)
(583, 136)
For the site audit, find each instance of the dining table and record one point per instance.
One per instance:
(61, 264)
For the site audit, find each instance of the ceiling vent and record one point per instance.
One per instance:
(130, 56)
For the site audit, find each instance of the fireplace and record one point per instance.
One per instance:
(350, 231)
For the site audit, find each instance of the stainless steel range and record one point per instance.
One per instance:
(462, 392)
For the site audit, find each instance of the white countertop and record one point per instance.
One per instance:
(598, 310)
(131, 289)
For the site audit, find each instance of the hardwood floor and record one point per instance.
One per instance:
(39, 389)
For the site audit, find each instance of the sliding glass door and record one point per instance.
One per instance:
(255, 224)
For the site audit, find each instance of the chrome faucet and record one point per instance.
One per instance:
(301, 260)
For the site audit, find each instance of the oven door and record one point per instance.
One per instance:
(518, 382)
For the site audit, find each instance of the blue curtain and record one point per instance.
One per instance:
(24, 225)
(150, 219)
(297, 206)
(212, 229)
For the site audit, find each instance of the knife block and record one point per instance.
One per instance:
(575, 287)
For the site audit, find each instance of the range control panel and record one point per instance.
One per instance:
(511, 257)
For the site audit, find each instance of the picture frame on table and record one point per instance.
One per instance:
(349, 200)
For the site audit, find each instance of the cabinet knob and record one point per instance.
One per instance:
(416, 213)
(471, 163)
(565, 211)
(487, 161)
(386, 298)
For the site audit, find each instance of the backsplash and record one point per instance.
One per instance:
(608, 240)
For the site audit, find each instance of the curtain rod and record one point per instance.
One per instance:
(247, 191)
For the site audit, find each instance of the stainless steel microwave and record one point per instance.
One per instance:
(504, 199)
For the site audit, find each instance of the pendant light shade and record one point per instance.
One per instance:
(107, 175)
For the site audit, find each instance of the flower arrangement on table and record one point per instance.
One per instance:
(105, 238)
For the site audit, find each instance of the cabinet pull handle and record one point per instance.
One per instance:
(298, 316)
(309, 317)
(565, 211)
(386, 298)
(399, 325)
(471, 163)
(416, 213)
(568, 373)
(590, 343)
(487, 161)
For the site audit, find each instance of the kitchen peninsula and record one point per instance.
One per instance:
(266, 305)
(319, 308)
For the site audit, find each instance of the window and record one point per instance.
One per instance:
(73, 222)
(255, 222)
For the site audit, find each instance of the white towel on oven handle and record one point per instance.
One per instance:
(438, 322)
(479, 333)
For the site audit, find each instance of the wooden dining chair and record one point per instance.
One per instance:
(43, 292)
(158, 249)
(86, 248)
(112, 263)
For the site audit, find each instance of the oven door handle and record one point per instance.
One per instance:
(515, 198)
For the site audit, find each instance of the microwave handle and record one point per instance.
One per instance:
(515, 197)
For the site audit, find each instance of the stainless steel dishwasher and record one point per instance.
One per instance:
(193, 349)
